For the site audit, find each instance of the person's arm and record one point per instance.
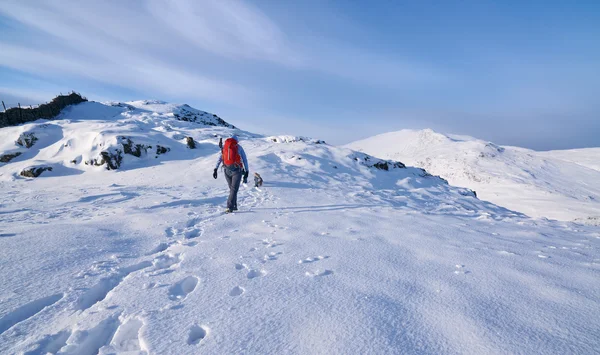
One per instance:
(219, 161)
(244, 159)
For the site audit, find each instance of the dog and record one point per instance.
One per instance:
(258, 181)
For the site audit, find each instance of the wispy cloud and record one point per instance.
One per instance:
(173, 47)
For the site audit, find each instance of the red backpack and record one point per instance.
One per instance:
(230, 153)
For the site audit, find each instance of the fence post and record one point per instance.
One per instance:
(20, 113)
(3, 105)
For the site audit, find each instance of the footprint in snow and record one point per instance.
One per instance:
(180, 290)
(236, 291)
(460, 270)
(256, 273)
(159, 248)
(319, 273)
(196, 334)
(313, 259)
(193, 233)
(270, 257)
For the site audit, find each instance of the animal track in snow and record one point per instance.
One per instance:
(196, 334)
(319, 273)
(271, 256)
(27, 311)
(240, 266)
(460, 270)
(269, 243)
(180, 290)
(236, 291)
(256, 273)
(313, 259)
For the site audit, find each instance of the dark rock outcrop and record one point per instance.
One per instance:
(190, 142)
(188, 114)
(129, 147)
(8, 157)
(34, 172)
(161, 150)
(27, 140)
(112, 160)
(387, 165)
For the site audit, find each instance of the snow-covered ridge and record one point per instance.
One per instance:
(112, 135)
(540, 184)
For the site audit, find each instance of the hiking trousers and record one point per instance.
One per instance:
(234, 178)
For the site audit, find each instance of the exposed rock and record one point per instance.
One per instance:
(188, 114)
(387, 165)
(26, 140)
(112, 160)
(8, 157)
(34, 172)
(129, 147)
(161, 150)
(190, 142)
(467, 192)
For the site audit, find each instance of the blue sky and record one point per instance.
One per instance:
(521, 73)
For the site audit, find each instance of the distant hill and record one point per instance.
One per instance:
(562, 185)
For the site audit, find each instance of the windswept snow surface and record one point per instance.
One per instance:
(563, 185)
(588, 157)
(330, 256)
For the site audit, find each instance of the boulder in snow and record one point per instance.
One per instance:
(35, 171)
(26, 140)
(5, 158)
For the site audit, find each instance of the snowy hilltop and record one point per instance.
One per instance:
(561, 185)
(114, 241)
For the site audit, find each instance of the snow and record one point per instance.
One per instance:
(330, 256)
(588, 157)
(563, 185)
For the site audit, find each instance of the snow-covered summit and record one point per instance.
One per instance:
(112, 135)
(540, 184)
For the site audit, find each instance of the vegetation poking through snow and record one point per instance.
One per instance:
(15, 116)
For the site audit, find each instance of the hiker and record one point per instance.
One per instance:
(235, 166)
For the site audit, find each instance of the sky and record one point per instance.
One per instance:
(524, 73)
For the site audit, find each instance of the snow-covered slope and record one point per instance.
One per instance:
(339, 252)
(538, 184)
(588, 157)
